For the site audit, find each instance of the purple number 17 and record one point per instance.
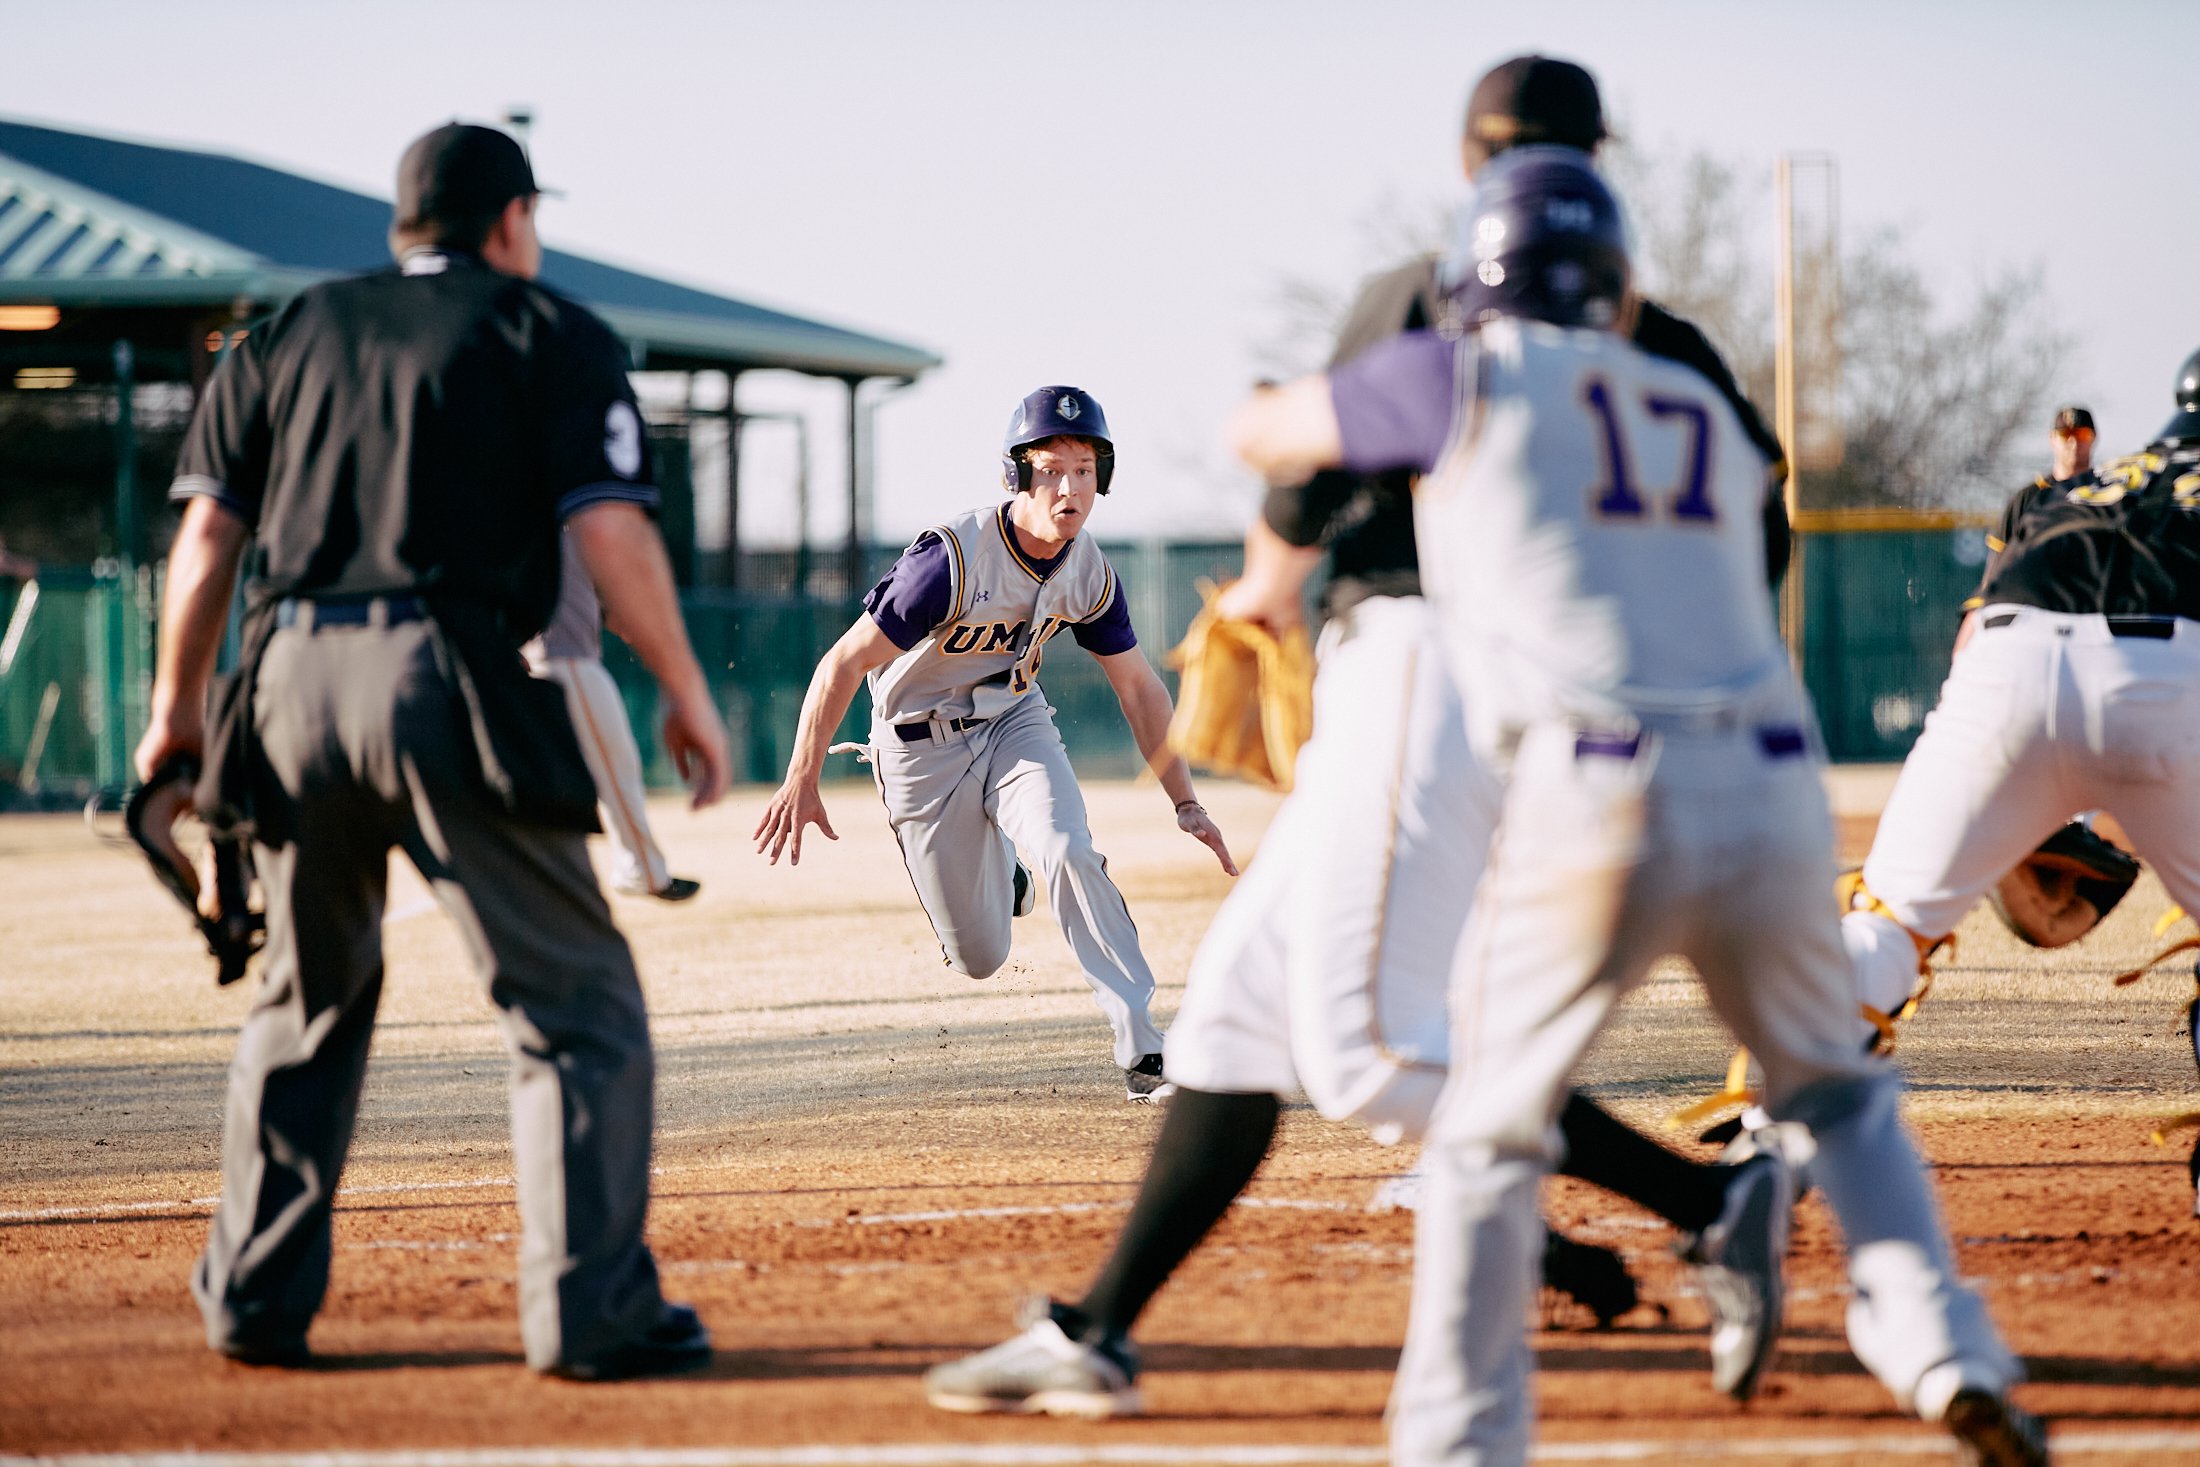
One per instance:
(1619, 498)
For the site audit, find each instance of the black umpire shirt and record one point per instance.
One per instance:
(422, 430)
(1368, 518)
(2121, 541)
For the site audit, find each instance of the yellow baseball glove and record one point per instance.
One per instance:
(1246, 701)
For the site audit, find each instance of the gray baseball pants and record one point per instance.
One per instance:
(1713, 846)
(962, 804)
(362, 735)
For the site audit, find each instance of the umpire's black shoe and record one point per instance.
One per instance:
(676, 1342)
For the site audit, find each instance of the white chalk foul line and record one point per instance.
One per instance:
(953, 1214)
(1156, 1454)
(123, 1209)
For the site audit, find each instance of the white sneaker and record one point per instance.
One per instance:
(1040, 1371)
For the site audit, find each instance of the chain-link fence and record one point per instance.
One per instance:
(1882, 596)
(76, 664)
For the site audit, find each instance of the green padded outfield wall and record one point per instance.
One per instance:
(1882, 596)
(760, 651)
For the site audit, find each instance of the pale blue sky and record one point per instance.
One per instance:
(1106, 194)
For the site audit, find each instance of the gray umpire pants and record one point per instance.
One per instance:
(956, 804)
(363, 734)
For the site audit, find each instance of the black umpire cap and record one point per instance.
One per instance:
(1535, 99)
(461, 171)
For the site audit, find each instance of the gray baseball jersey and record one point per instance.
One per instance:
(1003, 607)
(974, 613)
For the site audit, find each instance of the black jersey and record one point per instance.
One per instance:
(1366, 520)
(419, 430)
(2121, 541)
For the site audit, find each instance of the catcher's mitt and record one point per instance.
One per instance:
(1246, 701)
(2061, 891)
(220, 905)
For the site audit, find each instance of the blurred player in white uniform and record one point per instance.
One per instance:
(2075, 687)
(1590, 534)
(963, 744)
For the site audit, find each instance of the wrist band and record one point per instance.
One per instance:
(1183, 805)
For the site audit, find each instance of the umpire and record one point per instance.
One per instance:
(401, 450)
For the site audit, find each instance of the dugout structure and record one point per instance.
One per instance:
(128, 268)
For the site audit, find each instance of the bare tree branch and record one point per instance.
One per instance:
(1936, 402)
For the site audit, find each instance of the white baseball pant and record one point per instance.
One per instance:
(2045, 714)
(962, 805)
(1716, 846)
(1327, 964)
(615, 762)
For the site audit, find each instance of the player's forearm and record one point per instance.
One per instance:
(201, 579)
(626, 560)
(1146, 707)
(832, 689)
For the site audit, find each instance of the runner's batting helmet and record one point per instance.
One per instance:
(1541, 238)
(1055, 412)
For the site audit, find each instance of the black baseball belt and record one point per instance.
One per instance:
(306, 613)
(2157, 628)
(917, 733)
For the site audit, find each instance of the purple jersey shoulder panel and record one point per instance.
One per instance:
(1110, 632)
(1394, 403)
(916, 595)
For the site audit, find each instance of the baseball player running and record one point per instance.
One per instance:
(1326, 966)
(963, 744)
(2075, 687)
(1590, 537)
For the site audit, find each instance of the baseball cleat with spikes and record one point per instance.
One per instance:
(1041, 1370)
(1740, 1266)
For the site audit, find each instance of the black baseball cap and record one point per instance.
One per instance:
(1534, 99)
(461, 171)
(2071, 419)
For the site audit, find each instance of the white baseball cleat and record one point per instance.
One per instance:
(1040, 1371)
(1027, 892)
(1740, 1265)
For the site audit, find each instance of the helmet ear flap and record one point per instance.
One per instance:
(1103, 465)
(1015, 472)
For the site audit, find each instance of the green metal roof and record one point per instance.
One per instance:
(92, 221)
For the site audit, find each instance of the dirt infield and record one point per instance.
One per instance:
(864, 1162)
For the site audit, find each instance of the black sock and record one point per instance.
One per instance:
(1603, 1149)
(1210, 1146)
